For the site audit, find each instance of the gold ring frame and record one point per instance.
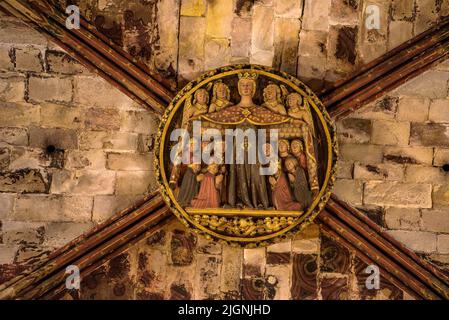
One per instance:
(279, 225)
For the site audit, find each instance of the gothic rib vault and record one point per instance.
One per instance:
(341, 222)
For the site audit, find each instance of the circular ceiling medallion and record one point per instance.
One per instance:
(246, 155)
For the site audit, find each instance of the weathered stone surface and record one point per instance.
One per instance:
(342, 53)
(16, 32)
(14, 136)
(286, 41)
(278, 278)
(217, 53)
(425, 15)
(134, 182)
(288, 9)
(345, 169)
(57, 116)
(390, 132)
(50, 89)
(313, 43)
(192, 32)
(439, 111)
(5, 156)
(102, 119)
(304, 284)
(381, 171)
(60, 62)
(254, 262)
(18, 115)
(5, 58)
(374, 40)
(436, 220)
(207, 277)
(431, 84)
(59, 138)
(12, 88)
(139, 122)
(344, 12)
(413, 109)
(403, 9)
(57, 234)
(6, 204)
(23, 233)
(382, 109)
(129, 161)
(193, 8)
(241, 37)
(316, 15)
(430, 134)
(404, 195)
(441, 157)
(349, 191)
(262, 38)
(119, 141)
(106, 206)
(24, 181)
(92, 159)
(408, 155)
(402, 218)
(206, 246)
(182, 247)
(363, 153)
(88, 90)
(422, 174)
(352, 130)
(231, 270)
(335, 258)
(311, 67)
(400, 32)
(443, 243)
(84, 182)
(28, 59)
(425, 242)
(440, 195)
(8, 253)
(219, 19)
(307, 241)
(52, 208)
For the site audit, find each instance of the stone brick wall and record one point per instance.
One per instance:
(73, 150)
(395, 162)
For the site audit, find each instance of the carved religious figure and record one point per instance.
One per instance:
(221, 96)
(273, 99)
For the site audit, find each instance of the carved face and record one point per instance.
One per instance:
(201, 96)
(290, 165)
(270, 93)
(294, 100)
(296, 147)
(246, 87)
(283, 146)
(222, 93)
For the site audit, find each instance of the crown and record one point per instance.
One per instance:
(248, 75)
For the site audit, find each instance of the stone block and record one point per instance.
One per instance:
(14, 136)
(426, 15)
(439, 111)
(8, 253)
(231, 269)
(58, 234)
(56, 208)
(207, 277)
(423, 174)
(316, 15)
(374, 41)
(88, 91)
(34, 158)
(435, 220)
(6, 204)
(12, 88)
(286, 41)
(352, 130)
(413, 109)
(83, 182)
(58, 116)
(18, 115)
(206, 246)
(135, 182)
(139, 122)
(23, 233)
(345, 12)
(60, 62)
(278, 280)
(431, 84)
(219, 19)
(28, 59)
(50, 89)
(106, 206)
(192, 31)
(443, 244)
(430, 134)
(441, 157)
(382, 109)
(400, 32)
(129, 161)
(425, 242)
(408, 155)
(182, 247)
(217, 53)
(6, 63)
(307, 241)
(102, 119)
(403, 9)
(345, 169)
(5, 158)
(92, 160)
(440, 195)
(193, 8)
(288, 9)
(342, 53)
(349, 191)
(402, 195)
(254, 262)
(118, 141)
(381, 171)
(360, 152)
(390, 132)
(240, 37)
(14, 31)
(63, 139)
(262, 38)
(313, 43)
(313, 67)
(24, 181)
(402, 218)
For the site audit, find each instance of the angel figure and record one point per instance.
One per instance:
(298, 108)
(273, 99)
(221, 96)
(197, 108)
